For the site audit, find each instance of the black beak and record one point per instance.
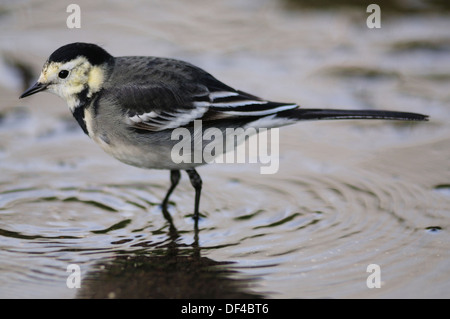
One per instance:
(37, 87)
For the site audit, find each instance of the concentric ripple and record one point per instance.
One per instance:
(324, 230)
(315, 230)
(347, 195)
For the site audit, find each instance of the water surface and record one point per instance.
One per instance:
(347, 194)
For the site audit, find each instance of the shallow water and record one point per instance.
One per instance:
(347, 194)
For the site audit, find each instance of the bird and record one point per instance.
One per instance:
(131, 106)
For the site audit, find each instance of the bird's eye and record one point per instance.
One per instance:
(63, 74)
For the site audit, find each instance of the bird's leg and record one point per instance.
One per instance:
(174, 179)
(196, 182)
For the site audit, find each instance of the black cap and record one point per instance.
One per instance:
(92, 52)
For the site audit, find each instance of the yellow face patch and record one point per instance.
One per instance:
(81, 75)
(49, 72)
(96, 78)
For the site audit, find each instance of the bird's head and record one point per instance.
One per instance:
(74, 72)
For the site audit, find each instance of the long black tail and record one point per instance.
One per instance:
(331, 114)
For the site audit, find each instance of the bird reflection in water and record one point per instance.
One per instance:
(173, 270)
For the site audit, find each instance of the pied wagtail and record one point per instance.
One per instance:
(130, 106)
